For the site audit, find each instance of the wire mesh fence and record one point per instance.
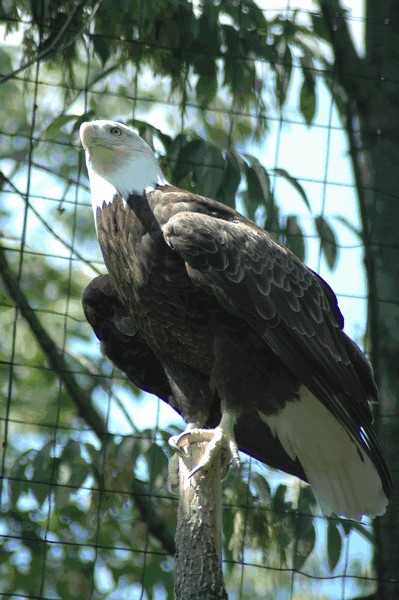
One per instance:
(85, 511)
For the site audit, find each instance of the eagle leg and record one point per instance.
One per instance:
(220, 438)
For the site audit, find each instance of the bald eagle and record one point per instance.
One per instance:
(206, 310)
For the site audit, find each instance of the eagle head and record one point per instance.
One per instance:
(118, 161)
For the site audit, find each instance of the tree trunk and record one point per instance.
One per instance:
(198, 571)
(370, 113)
(383, 213)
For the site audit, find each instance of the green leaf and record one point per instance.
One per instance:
(307, 101)
(127, 454)
(58, 123)
(283, 71)
(20, 483)
(263, 177)
(87, 116)
(305, 540)
(61, 496)
(148, 131)
(295, 183)
(262, 487)
(156, 460)
(348, 526)
(206, 88)
(334, 544)
(252, 197)
(280, 506)
(294, 238)
(43, 463)
(232, 178)
(101, 48)
(5, 60)
(328, 241)
(319, 26)
(273, 219)
(45, 470)
(208, 31)
(202, 160)
(306, 499)
(350, 226)
(30, 536)
(307, 98)
(258, 186)
(39, 10)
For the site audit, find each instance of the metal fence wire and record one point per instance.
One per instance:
(85, 512)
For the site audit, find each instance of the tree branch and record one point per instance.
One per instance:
(198, 569)
(156, 525)
(55, 359)
(340, 38)
(351, 93)
(53, 45)
(347, 61)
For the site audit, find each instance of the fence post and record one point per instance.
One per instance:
(198, 559)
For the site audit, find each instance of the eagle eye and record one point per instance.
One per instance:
(117, 131)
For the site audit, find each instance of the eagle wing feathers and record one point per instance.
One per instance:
(292, 309)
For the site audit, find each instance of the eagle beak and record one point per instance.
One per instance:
(87, 132)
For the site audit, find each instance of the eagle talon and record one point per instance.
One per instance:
(220, 439)
(174, 440)
(174, 443)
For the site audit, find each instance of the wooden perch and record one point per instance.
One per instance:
(198, 568)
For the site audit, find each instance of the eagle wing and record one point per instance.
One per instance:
(120, 340)
(288, 305)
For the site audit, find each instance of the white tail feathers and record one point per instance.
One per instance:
(342, 476)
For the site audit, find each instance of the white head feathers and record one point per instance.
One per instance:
(118, 161)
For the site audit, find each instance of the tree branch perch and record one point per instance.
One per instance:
(198, 570)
